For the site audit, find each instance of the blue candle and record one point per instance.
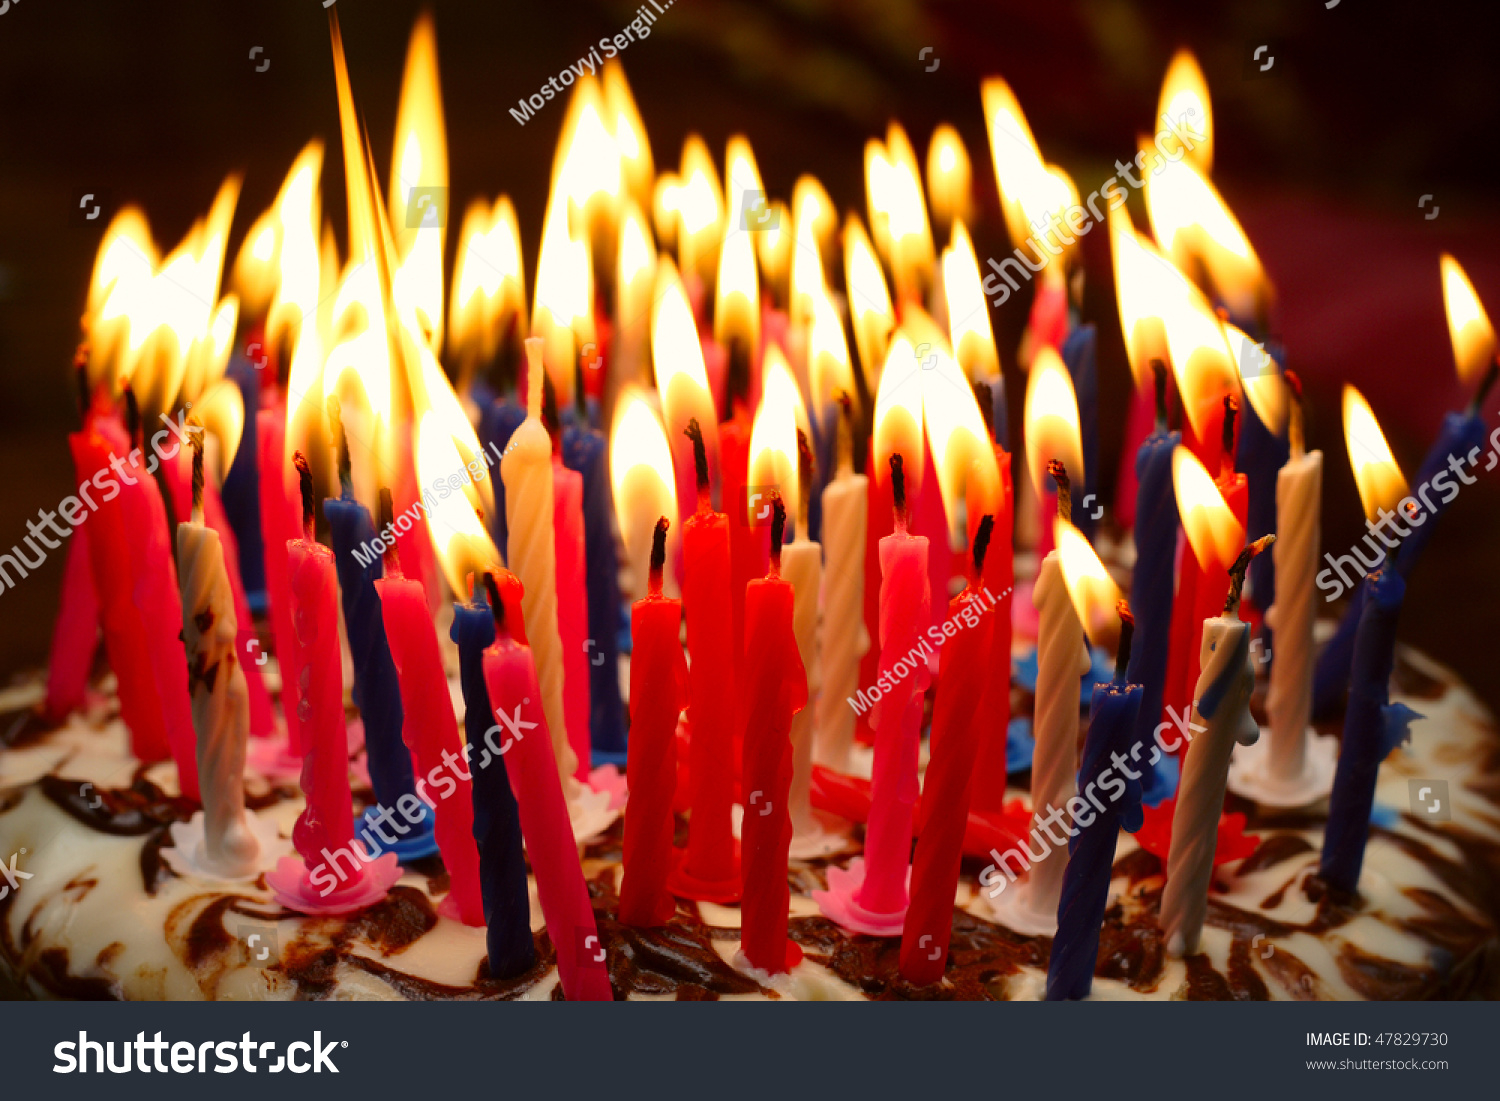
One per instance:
(583, 451)
(825, 432)
(497, 818)
(377, 692)
(1113, 716)
(1078, 352)
(1151, 584)
(497, 422)
(1462, 433)
(1260, 456)
(1372, 728)
(241, 489)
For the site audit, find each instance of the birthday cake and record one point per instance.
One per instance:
(93, 909)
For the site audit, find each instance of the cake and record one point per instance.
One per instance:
(91, 909)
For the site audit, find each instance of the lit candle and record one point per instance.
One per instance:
(1221, 716)
(991, 770)
(429, 727)
(278, 525)
(845, 639)
(802, 566)
(775, 690)
(658, 694)
(510, 678)
(316, 880)
(527, 472)
(956, 734)
(710, 869)
(572, 593)
(1462, 437)
(1373, 726)
(1113, 714)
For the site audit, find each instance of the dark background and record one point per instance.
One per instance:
(1324, 158)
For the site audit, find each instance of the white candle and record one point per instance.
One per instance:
(526, 470)
(1289, 699)
(845, 639)
(802, 568)
(220, 701)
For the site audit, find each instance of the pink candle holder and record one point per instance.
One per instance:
(291, 885)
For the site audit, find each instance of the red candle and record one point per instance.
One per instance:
(999, 580)
(749, 538)
(430, 728)
(878, 524)
(572, 606)
(516, 697)
(956, 735)
(710, 870)
(658, 693)
(905, 612)
(775, 690)
(279, 527)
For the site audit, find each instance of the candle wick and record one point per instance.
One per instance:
(1059, 474)
(340, 445)
(658, 555)
(982, 536)
(737, 378)
(1159, 373)
(195, 437)
(1127, 636)
(778, 529)
(580, 398)
(392, 556)
(550, 419)
(1237, 574)
(845, 432)
(81, 377)
(1231, 412)
(132, 415)
(694, 432)
(986, 399)
(497, 606)
(807, 466)
(309, 503)
(1485, 386)
(898, 490)
(535, 372)
(1296, 429)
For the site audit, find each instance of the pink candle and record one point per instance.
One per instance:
(515, 695)
(572, 607)
(279, 527)
(430, 730)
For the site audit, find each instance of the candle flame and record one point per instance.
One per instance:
(587, 174)
(1051, 420)
(949, 176)
(463, 546)
(1469, 327)
(489, 286)
(1144, 281)
(812, 220)
(968, 311)
(700, 206)
(1261, 380)
(1184, 100)
(636, 168)
(898, 212)
(1199, 355)
(737, 305)
(640, 468)
(677, 359)
(1379, 480)
(773, 437)
(1031, 191)
(870, 311)
(829, 370)
(563, 306)
(898, 414)
(1198, 231)
(1210, 525)
(419, 188)
(1093, 591)
(221, 410)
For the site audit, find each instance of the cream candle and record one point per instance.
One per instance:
(802, 567)
(845, 638)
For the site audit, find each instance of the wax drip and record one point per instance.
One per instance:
(132, 415)
(1159, 374)
(1127, 636)
(845, 443)
(550, 419)
(898, 490)
(195, 438)
(81, 377)
(982, 536)
(700, 462)
(986, 399)
(658, 554)
(340, 445)
(778, 529)
(497, 606)
(391, 557)
(1237, 573)
(1296, 432)
(309, 503)
(1231, 411)
(1059, 474)
(1484, 387)
(807, 467)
